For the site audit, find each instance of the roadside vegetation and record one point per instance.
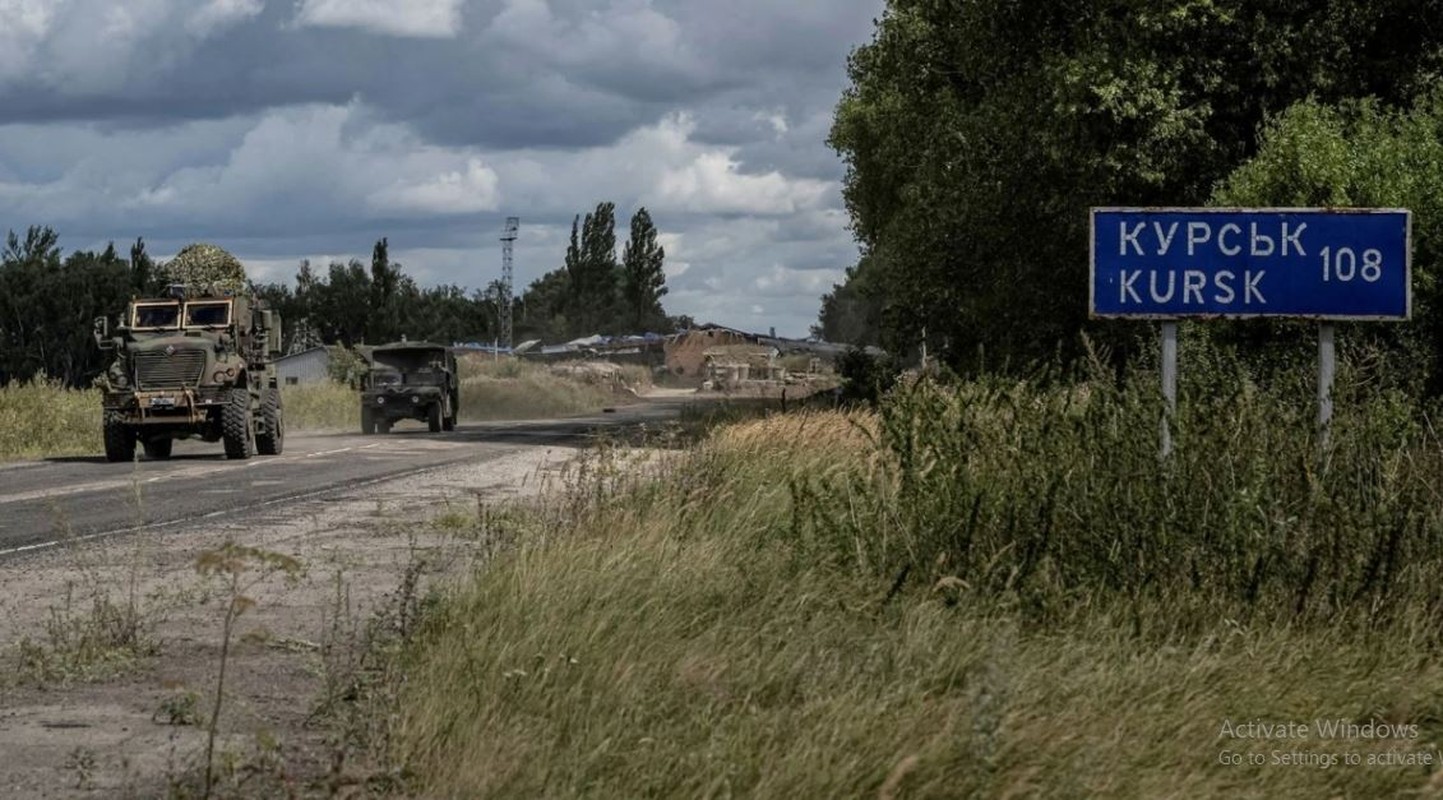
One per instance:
(512, 389)
(978, 589)
(44, 419)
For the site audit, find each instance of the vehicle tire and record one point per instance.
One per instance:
(368, 421)
(237, 425)
(159, 449)
(448, 423)
(384, 426)
(271, 430)
(119, 438)
(433, 417)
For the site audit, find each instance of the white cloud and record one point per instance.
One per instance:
(456, 192)
(780, 281)
(218, 14)
(26, 23)
(408, 18)
(713, 183)
(776, 119)
(625, 32)
(657, 165)
(323, 163)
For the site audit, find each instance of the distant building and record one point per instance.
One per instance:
(686, 353)
(305, 367)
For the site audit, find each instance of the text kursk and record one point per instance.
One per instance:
(1230, 239)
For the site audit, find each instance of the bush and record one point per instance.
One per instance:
(866, 377)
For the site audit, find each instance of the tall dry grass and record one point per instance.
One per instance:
(43, 419)
(992, 590)
(516, 389)
(325, 406)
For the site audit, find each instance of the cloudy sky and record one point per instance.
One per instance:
(289, 129)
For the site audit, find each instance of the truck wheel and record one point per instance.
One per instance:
(448, 423)
(384, 426)
(271, 433)
(158, 449)
(433, 417)
(236, 425)
(368, 421)
(119, 438)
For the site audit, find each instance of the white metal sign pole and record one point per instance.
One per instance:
(1326, 368)
(1169, 383)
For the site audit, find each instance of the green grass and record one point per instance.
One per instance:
(990, 590)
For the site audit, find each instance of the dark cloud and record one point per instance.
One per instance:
(293, 129)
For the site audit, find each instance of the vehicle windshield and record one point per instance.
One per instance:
(155, 316)
(207, 314)
(408, 366)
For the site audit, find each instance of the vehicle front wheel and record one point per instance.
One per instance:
(237, 425)
(368, 421)
(433, 417)
(119, 438)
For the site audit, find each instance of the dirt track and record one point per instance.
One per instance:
(113, 737)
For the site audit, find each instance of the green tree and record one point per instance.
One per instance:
(852, 312)
(142, 269)
(47, 304)
(592, 273)
(341, 307)
(383, 324)
(643, 277)
(540, 312)
(1357, 153)
(977, 133)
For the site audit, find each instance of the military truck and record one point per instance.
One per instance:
(196, 362)
(409, 380)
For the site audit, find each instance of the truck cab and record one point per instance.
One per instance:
(410, 380)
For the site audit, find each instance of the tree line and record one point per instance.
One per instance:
(978, 133)
(48, 300)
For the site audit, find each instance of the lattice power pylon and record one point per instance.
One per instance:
(508, 239)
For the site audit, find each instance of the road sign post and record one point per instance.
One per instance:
(1326, 368)
(1169, 383)
(1329, 265)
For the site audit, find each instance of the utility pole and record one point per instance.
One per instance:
(508, 238)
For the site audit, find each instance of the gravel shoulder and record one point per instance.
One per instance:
(129, 733)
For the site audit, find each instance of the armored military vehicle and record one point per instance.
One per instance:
(409, 380)
(194, 362)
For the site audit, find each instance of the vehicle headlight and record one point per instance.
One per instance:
(380, 401)
(218, 376)
(415, 398)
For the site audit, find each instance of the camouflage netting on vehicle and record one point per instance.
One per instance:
(205, 265)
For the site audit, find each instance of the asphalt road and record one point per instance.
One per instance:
(45, 503)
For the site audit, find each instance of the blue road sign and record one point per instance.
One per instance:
(1172, 263)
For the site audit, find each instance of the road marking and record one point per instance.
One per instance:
(290, 498)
